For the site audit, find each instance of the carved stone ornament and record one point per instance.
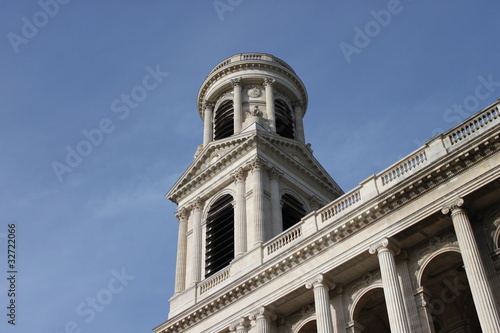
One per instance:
(256, 112)
(452, 206)
(254, 92)
(236, 81)
(269, 81)
(182, 215)
(319, 279)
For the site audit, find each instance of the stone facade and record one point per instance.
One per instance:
(268, 242)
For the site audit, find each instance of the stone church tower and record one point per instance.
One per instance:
(268, 242)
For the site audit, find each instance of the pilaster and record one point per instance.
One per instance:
(197, 238)
(240, 223)
(258, 195)
(268, 85)
(237, 105)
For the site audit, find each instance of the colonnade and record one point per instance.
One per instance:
(237, 84)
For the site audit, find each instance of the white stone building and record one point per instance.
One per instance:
(268, 242)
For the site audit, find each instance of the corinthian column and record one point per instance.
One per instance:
(299, 125)
(258, 195)
(268, 84)
(482, 293)
(180, 267)
(197, 206)
(262, 318)
(321, 303)
(207, 122)
(392, 289)
(237, 104)
(240, 225)
(277, 220)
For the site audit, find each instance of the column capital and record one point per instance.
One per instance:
(263, 312)
(207, 104)
(196, 204)
(384, 245)
(319, 280)
(275, 173)
(182, 215)
(269, 81)
(238, 325)
(239, 175)
(456, 205)
(257, 164)
(316, 203)
(236, 81)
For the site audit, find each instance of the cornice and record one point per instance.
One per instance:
(366, 214)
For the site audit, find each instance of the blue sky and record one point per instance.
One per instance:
(96, 240)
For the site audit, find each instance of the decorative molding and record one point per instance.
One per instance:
(269, 81)
(254, 92)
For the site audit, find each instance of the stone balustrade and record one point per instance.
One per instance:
(250, 56)
(214, 280)
(283, 239)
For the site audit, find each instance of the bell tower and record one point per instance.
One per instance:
(253, 178)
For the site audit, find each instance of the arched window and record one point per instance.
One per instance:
(284, 119)
(292, 210)
(224, 120)
(220, 235)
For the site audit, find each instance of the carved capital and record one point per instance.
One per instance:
(208, 105)
(455, 205)
(268, 81)
(319, 280)
(263, 312)
(239, 175)
(236, 81)
(257, 164)
(240, 324)
(297, 107)
(275, 173)
(197, 204)
(315, 202)
(182, 215)
(385, 244)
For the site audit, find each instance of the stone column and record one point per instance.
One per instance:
(197, 206)
(180, 267)
(299, 125)
(258, 201)
(207, 122)
(268, 84)
(277, 220)
(240, 225)
(392, 289)
(482, 294)
(321, 303)
(239, 326)
(338, 316)
(262, 318)
(237, 105)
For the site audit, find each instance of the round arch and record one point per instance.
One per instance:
(308, 325)
(431, 256)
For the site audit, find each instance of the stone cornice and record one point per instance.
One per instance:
(366, 214)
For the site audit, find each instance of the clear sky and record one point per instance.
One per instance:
(96, 239)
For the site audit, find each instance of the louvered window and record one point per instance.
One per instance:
(220, 235)
(292, 210)
(284, 119)
(224, 120)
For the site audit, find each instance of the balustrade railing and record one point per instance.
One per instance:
(284, 239)
(214, 280)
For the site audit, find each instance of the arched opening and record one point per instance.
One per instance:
(292, 210)
(284, 119)
(371, 312)
(220, 235)
(309, 327)
(224, 120)
(451, 306)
